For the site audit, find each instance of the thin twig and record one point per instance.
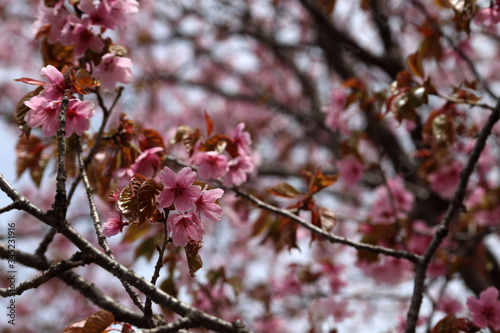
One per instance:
(44, 244)
(53, 271)
(442, 231)
(326, 235)
(14, 205)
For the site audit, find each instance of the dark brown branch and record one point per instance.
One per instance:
(80, 284)
(442, 231)
(60, 202)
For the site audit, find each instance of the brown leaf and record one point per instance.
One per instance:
(98, 322)
(193, 258)
(284, 190)
(220, 143)
(414, 62)
(151, 139)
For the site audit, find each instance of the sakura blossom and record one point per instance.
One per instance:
(445, 180)
(207, 206)
(77, 116)
(237, 169)
(43, 113)
(147, 163)
(100, 15)
(113, 225)
(113, 69)
(489, 15)
(210, 164)
(486, 309)
(185, 227)
(351, 170)
(178, 189)
(242, 140)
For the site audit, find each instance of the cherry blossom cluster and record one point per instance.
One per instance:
(233, 170)
(188, 205)
(46, 106)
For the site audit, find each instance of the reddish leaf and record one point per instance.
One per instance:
(76, 327)
(220, 143)
(284, 190)
(319, 181)
(56, 54)
(151, 139)
(414, 62)
(98, 322)
(138, 200)
(210, 124)
(452, 324)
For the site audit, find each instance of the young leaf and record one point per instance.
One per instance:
(151, 139)
(210, 124)
(414, 62)
(98, 322)
(193, 258)
(284, 190)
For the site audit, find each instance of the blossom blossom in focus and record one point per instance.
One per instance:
(184, 227)
(207, 206)
(77, 116)
(178, 189)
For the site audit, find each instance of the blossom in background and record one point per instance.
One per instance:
(400, 199)
(207, 206)
(184, 227)
(77, 32)
(121, 9)
(444, 181)
(100, 15)
(486, 309)
(242, 140)
(351, 170)
(489, 15)
(178, 189)
(147, 163)
(113, 69)
(335, 119)
(77, 116)
(210, 164)
(237, 169)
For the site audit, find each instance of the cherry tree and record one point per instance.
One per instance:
(251, 166)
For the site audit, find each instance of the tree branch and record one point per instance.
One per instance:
(442, 231)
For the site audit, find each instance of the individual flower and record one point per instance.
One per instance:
(77, 32)
(54, 90)
(184, 227)
(113, 225)
(178, 189)
(100, 15)
(489, 16)
(77, 116)
(50, 21)
(207, 206)
(242, 140)
(43, 113)
(120, 9)
(237, 169)
(147, 163)
(486, 309)
(113, 69)
(210, 164)
(444, 181)
(351, 169)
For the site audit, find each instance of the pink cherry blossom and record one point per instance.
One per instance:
(351, 170)
(335, 119)
(43, 113)
(387, 207)
(53, 19)
(445, 180)
(54, 90)
(184, 227)
(147, 163)
(121, 9)
(242, 140)
(77, 32)
(178, 189)
(237, 169)
(77, 116)
(210, 164)
(486, 309)
(489, 15)
(113, 225)
(113, 69)
(100, 15)
(207, 206)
